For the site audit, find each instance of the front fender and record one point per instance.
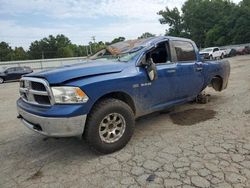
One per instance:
(99, 86)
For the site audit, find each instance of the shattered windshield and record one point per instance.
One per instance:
(122, 51)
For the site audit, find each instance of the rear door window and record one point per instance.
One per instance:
(19, 69)
(11, 70)
(184, 51)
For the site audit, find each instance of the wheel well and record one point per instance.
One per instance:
(120, 96)
(217, 83)
(2, 78)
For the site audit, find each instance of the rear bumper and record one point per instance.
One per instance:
(53, 126)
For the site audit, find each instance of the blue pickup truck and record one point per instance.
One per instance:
(99, 99)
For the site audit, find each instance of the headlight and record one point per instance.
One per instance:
(69, 95)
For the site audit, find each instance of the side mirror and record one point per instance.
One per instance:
(6, 72)
(150, 68)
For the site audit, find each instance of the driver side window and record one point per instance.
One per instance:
(160, 54)
(216, 49)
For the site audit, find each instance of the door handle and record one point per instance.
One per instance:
(199, 68)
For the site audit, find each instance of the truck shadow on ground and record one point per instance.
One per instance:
(192, 116)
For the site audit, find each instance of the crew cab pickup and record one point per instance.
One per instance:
(213, 53)
(99, 99)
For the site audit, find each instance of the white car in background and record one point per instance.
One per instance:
(227, 51)
(213, 53)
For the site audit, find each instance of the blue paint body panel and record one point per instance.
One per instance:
(177, 82)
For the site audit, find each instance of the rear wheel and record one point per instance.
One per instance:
(110, 126)
(1, 80)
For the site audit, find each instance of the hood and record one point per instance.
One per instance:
(203, 52)
(80, 70)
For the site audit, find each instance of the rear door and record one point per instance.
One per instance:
(19, 72)
(189, 72)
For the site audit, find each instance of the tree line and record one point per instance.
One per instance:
(207, 22)
(58, 46)
(52, 47)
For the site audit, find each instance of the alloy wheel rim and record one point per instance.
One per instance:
(1, 80)
(112, 128)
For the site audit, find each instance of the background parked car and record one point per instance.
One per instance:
(213, 53)
(247, 50)
(227, 51)
(13, 73)
(232, 53)
(243, 50)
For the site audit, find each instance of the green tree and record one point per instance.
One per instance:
(146, 35)
(202, 17)
(174, 20)
(5, 52)
(62, 41)
(209, 22)
(119, 39)
(35, 50)
(81, 50)
(65, 52)
(241, 27)
(19, 54)
(50, 47)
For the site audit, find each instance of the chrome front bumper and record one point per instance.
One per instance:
(53, 127)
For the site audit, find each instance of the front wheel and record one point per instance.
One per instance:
(1, 80)
(211, 57)
(110, 126)
(222, 56)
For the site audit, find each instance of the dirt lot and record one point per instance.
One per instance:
(196, 146)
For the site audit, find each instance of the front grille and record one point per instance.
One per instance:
(35, 91)
(42, 99)
(38, 86)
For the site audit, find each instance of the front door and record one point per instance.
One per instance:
(216, 53)
(157, 93)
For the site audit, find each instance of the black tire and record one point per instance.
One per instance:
(211, 57)
(222, 56)
(98, 114)
(1, 80)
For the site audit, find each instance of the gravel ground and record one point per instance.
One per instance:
(194, 146)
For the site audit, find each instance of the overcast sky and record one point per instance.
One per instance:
(23, 21)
